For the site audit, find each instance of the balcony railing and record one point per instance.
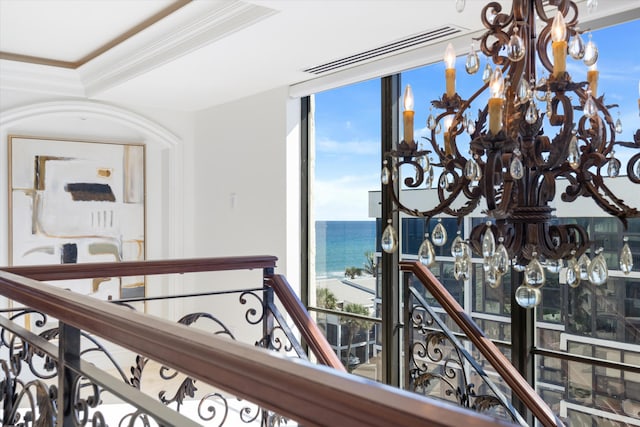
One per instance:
(46, 379)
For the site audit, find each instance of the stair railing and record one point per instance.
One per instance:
(293, 388)
(487, 348)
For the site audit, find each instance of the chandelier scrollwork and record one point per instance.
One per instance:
(521, 157)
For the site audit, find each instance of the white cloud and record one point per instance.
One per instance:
(344, 198)
(347, 147)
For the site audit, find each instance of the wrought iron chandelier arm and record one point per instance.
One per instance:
(608, 201)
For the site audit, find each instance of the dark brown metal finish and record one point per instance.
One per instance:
(312, 395)
(500, 363)
(520, 207)
(309, 330)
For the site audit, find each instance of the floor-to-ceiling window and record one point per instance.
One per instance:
(344, 167)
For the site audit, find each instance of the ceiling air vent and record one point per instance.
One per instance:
(388, 49)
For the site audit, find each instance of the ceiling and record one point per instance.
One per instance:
(189, 55)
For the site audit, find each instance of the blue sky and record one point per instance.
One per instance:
(347, 119)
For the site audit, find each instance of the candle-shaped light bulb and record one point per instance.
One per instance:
(558, 28)
(592, 78)
(408, 99)
(496, 85)
(559, 45)
(450, 70)
(496, 101)
(408, 114)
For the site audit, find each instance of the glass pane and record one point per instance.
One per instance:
(345, 167)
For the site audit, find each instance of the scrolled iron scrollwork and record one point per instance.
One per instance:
(437, 359)
(253, 316)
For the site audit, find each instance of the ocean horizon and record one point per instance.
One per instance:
(342, 244)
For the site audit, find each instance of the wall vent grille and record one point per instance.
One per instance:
(388, 49)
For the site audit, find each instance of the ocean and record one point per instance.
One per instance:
(342, 244)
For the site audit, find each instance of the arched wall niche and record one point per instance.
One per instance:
(94, 121)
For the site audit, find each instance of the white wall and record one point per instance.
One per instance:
(220, 182)
(246, 195)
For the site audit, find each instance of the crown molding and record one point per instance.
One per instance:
(190, 28)
(28, 77)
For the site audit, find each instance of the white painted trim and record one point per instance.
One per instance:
(27, 77)
(188, 29)
(565, 338)
(92, 109)
(564, 406)
(491, 317)
(551, 326)
(548, 386)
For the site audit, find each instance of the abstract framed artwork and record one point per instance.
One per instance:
(75, 202)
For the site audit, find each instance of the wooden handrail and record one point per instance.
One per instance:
(309, 330)
(141, 268)
(310, 394)
(500, 363)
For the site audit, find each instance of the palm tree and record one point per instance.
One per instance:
(326, 299)
(370, 266)
(354, 326)
(352, 272)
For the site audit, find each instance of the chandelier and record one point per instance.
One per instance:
(539, 137)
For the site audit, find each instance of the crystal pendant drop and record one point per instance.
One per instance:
(389, 240)
(429, 178)
(439, 234)
(438, 128)
(457, 268)
(573, 156)
(426, 163)
(598, 271)
(573, 273)
(534, 273)
(487, 73)
(471, 126)
(431, 122)
(501, 259)
(457, 246)
(492, 278)
(463, 267)
(583, 265)
(528, 297)
(554, 265)
(576, 47)
(541, 95)
(613, 169)
(471, 169)
(531, 116)
(516, 266)
(626, 258)
(443, 181)
(590, 53)
(472, 64)
(618, 125)
(488, 242)
(516, 169)
(515, 47)
(426, 253)
(523, 90)
(590, 108)
(385, 175)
